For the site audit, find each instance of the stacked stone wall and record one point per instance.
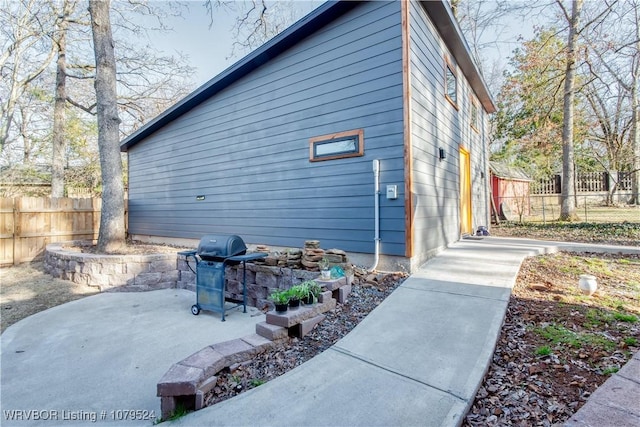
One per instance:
(170, 270)
(112, 272)
(261, 280)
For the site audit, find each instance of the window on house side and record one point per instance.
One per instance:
(451, 84)
(337, 146)
(475, 115)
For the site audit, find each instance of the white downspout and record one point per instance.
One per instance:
(376, 208)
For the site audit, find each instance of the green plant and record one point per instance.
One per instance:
(595, 317)
(543, 351)
(557, 334)
(631, 341)
(624, 317)
(279, 296)
(256, 382)
(610, 370)
(314, 288)
(179, 412)
(323, 264)
(299, 291)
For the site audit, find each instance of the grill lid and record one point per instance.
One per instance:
(217, 247)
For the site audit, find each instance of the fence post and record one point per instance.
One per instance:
(16, 228)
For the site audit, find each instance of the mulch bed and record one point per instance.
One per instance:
(557, 346)
(365, 296)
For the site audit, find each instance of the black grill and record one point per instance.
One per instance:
(218, 247)
(215, 252)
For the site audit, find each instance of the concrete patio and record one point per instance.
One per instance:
(417, 359)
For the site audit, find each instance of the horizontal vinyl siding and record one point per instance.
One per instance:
(435, 124)
(247, 148)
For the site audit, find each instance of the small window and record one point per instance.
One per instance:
(475, 115)
(337, 146)
(451, 84)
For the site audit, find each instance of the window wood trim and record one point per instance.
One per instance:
(359, 133)
(474, 103)
(449, 67)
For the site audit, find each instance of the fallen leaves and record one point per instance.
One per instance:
(552, 355)
(620, 233)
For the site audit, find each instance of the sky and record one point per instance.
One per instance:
(209, 49)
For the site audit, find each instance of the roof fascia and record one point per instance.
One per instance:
(304, 27)
(447, 25)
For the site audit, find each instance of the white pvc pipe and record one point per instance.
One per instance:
(376, 208)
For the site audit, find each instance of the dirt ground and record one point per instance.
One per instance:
(558, 345)
(26, 289)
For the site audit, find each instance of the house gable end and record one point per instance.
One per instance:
(239, 161)
(306, 26)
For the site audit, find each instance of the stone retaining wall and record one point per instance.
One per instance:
(161, 271)
(261, 279)
(122, 272)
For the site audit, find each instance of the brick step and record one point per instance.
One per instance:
(187, 381)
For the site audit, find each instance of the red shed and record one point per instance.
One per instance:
(510, 190)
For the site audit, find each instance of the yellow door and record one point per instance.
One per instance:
(465, 192)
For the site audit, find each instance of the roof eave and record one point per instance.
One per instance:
(438, 10)
(448, 27)
(315, 20)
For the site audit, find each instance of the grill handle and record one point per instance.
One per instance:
(188, 254)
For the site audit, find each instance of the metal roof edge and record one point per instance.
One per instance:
(447, 25)
(504, 171)
(302, 28)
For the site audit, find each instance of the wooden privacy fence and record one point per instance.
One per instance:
(586, 182)
(28, 224)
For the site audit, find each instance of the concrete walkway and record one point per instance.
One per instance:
(416, 360)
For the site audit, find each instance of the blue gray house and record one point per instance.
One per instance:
(283, 146)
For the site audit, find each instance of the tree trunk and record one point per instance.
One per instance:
(635, 122)
(568, 206)
(112, 229)
(59, 148)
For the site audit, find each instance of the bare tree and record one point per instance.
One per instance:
(33, 94)
(568, 203)
(626, 72)
(608, 139)
(31, 128)
(483, 23)
(25, 55)
(613, 64)
(112, 222)
(635, 109)
(567, 197)
(635, 120)
(59, 140)
(147, 82)
(256, 22)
